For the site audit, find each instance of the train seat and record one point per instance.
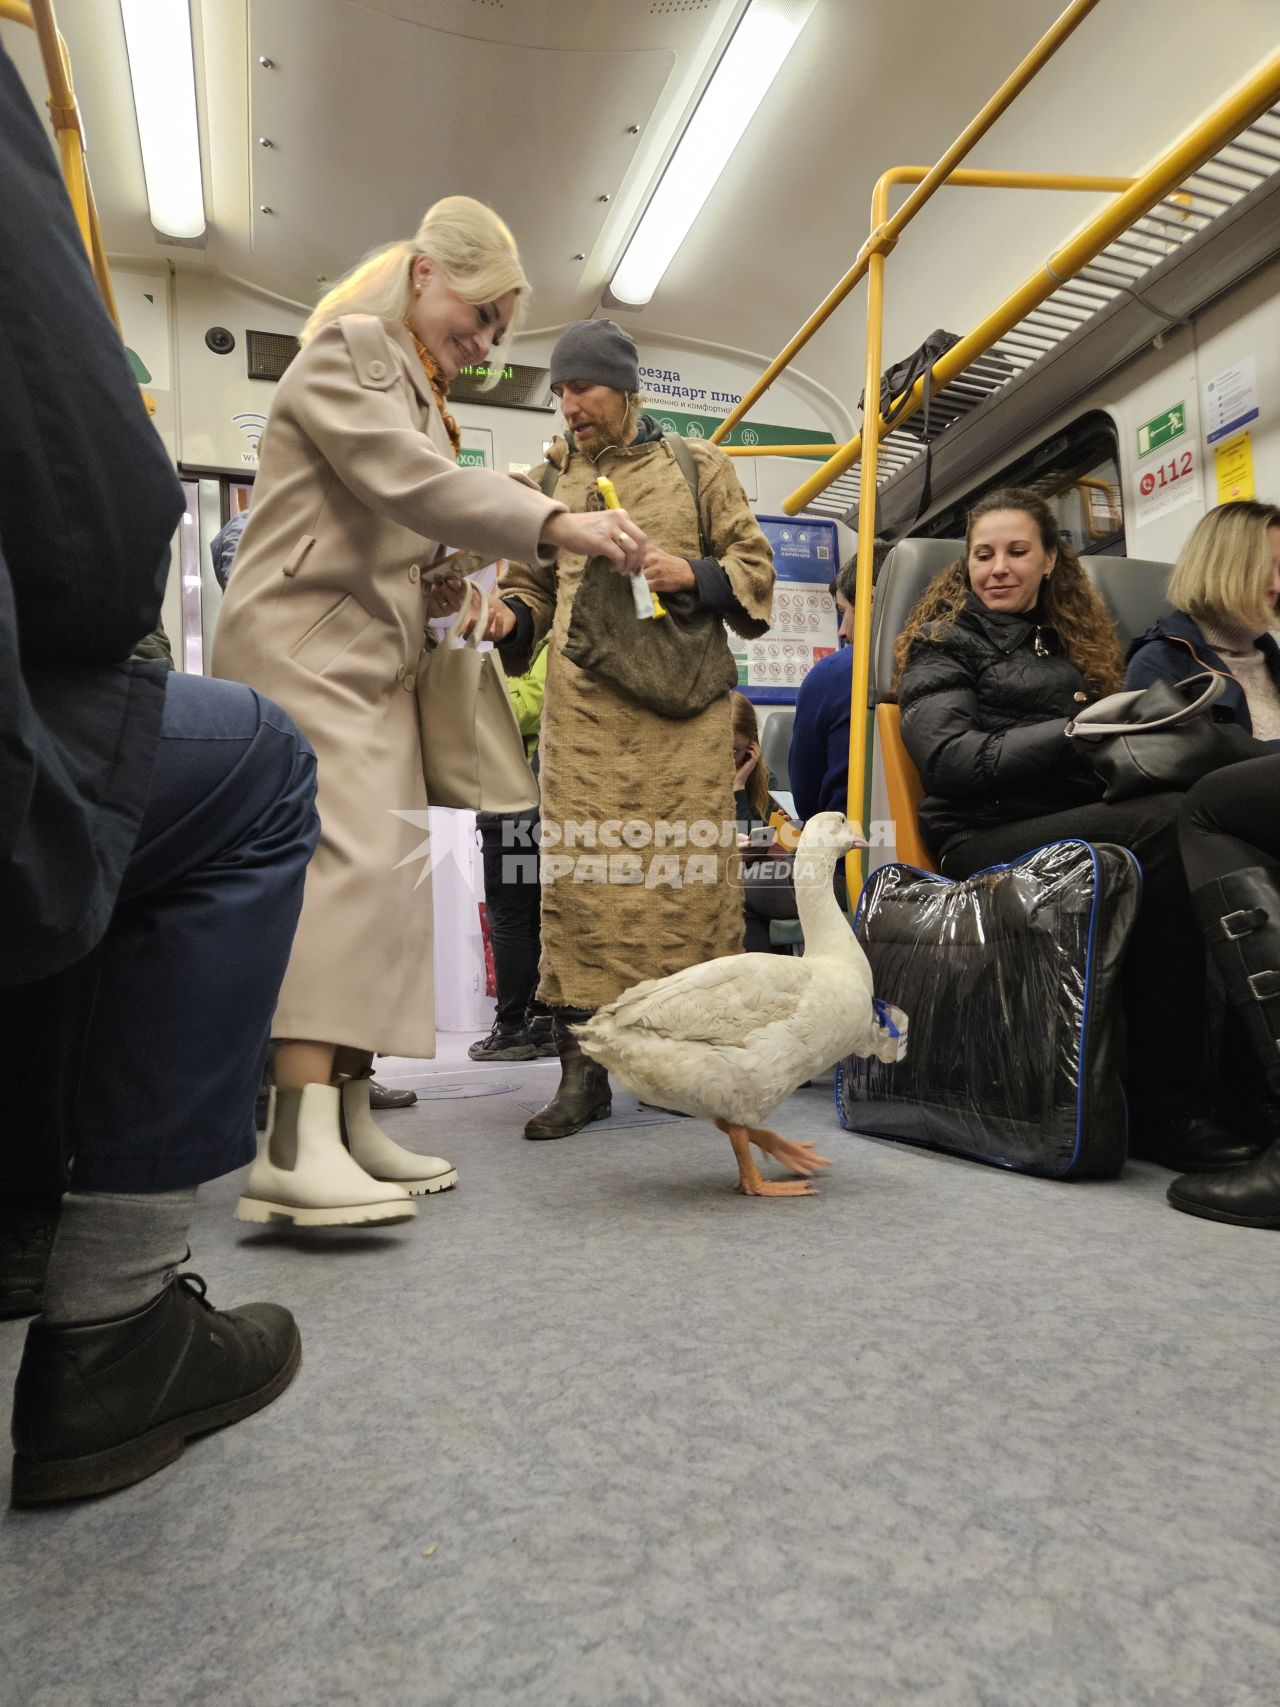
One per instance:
(775, 746)
(1134, 590)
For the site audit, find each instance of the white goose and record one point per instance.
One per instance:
(730, 1039)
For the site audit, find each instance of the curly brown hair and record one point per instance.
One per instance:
(1067, 600)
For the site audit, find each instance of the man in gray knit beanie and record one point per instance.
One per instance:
(595, 372)
(607, 758)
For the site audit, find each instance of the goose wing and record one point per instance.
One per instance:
(720, 1001)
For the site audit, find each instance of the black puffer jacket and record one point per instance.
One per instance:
(984, 704)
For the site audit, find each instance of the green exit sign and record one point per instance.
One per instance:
(469, 457)
(1161, 428)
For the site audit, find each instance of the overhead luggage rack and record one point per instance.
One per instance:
(1120, 270)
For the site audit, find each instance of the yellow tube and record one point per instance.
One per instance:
(815, 452)
(1239, 109)
(1012, 86)
(609, 493)
(855, 808)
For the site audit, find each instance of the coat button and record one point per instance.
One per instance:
(377, 370)
(415, 569)
(410, 681)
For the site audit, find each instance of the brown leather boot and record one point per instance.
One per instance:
(583, 1094)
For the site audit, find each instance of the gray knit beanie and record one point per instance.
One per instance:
(596, 352)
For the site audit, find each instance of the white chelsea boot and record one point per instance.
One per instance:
(381, 1156)
(303, 1172)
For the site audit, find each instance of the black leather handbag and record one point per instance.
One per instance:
(1149, 740)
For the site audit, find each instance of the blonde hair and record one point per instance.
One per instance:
(1223, 570)
(747, 728)
(466, 240)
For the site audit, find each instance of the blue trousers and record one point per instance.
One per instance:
(169, 1018)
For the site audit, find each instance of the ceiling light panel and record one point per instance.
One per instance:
(764, 37)
(162, 70)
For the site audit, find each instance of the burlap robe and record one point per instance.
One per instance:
(617, 779)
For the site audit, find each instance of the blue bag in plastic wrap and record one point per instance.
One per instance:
(1011, 978)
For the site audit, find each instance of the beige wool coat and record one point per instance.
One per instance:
(324, 613)
(616, 906)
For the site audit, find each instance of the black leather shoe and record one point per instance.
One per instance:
(1191, 1144)
(25, 1243)
(1246, 1197)
(582, 1096)
(99, 1407)
(504, 1043)
(381, 1097)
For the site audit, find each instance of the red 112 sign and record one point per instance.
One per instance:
(1168, 473)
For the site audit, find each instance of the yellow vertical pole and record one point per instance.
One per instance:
(857, 797)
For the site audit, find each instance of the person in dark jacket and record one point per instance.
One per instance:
(818, 765)
(1224, 590)
(154, 834)
(1004, 647)
(1229, 829)
(222, 549)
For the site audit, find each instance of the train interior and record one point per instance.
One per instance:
(600, 1431)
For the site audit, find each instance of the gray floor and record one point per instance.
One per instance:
(596, 1430)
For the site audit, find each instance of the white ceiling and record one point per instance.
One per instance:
(377, 108)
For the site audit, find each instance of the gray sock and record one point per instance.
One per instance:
(114, 1252)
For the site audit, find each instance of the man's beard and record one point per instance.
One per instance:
(615, 434)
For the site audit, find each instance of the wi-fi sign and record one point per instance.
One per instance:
(253, 427)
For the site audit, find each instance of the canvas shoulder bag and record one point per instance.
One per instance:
(473, 756)
(675, 665)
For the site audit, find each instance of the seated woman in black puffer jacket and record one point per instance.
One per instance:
(1224, 590)
(1002, 650)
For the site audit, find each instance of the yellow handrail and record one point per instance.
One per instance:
(1237, 110)
(65, 113)
(821, 450)
(973, 132)
(963, 178)
(1233, 114)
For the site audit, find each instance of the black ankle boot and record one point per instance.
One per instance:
(583, 1094)
(99, 1407)
(1246, 1197)
(1189, 1142)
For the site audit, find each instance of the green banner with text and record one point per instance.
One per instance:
(745, 433)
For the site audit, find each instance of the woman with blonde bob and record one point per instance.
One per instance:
(357, 495)
(1224, 592)
(1005, 646)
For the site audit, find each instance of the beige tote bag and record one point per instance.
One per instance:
(472, 749)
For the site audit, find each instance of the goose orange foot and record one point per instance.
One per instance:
(800, 1158)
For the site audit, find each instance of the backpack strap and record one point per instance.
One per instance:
(687, 464)
(548, 476)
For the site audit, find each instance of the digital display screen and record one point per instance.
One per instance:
(518, 387)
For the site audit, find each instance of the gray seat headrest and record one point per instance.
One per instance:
(904, 575)
(1134, 590)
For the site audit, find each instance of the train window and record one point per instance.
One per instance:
(1077, 473)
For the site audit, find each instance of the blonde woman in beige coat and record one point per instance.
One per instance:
(357, 495)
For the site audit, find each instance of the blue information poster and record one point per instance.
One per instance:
(806, 557)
